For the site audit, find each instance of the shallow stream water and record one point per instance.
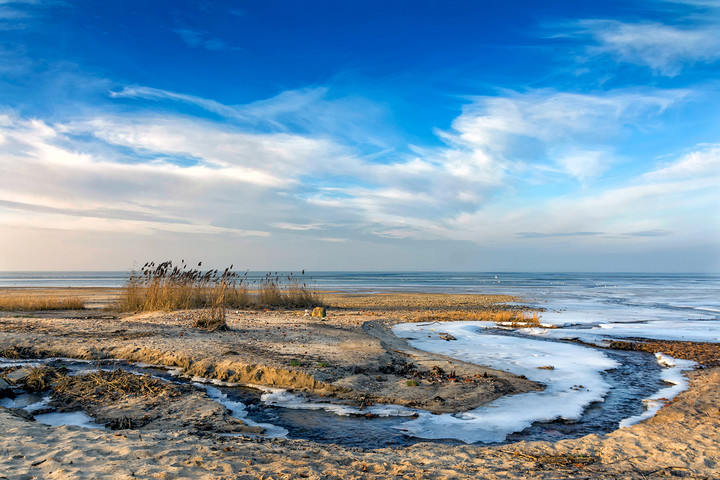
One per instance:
(636, 377)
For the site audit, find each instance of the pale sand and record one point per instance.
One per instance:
(683, 439)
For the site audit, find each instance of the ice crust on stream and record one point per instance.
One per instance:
(573, 383)
(282, 398)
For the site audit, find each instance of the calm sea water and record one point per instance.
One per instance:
(628, 295)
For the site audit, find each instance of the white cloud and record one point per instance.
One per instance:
(702, 162)
(54, 186)
(584, 164)
(177, 173)
(546, 128)
(298, 226)
(668, 211)
(262, 159)
(665, 49)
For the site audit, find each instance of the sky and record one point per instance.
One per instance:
(361, 135)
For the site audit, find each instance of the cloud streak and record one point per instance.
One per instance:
(665, 49)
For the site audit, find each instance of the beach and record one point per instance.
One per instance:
(350, 357)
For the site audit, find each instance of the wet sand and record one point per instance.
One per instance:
(350, 356)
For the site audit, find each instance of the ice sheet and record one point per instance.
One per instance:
(10, 362)
(57, 419)
(573, 383)
(689, 330)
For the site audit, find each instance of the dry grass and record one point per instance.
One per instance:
(41, 378)
(103, 387)
(167, 287)
(510, 318)
(31, 303)
(272, 292)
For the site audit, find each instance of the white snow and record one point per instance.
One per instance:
(574, 382)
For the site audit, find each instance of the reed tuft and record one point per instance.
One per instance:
(166, 287)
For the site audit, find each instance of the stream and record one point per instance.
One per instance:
(635, 377)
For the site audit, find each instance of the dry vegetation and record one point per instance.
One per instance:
(103, 386)
(510, 318)
(31, 303)
(167, 287)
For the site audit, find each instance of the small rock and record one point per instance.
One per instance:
(19, 412)
(4, 388)
(319, 312)
(18, 375)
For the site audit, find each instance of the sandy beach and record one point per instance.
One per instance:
(350, 356)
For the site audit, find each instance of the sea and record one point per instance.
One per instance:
(683, 306)
(673, 291)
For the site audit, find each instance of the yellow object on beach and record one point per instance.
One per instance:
(319, 312)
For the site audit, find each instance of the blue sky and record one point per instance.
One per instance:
(374, 135)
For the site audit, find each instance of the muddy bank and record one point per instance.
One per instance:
(706, 354)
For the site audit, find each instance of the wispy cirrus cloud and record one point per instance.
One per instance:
(665, 49)
(55, 185)
(556, 235)
(310, 111)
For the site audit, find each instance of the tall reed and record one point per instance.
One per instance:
(166, 287)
